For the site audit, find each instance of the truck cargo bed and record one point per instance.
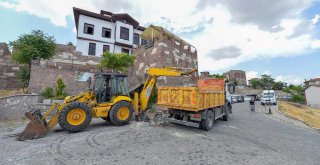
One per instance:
(208, 94)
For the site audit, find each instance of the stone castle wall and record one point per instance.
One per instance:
(8, 69)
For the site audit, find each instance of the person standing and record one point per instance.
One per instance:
(251, 104)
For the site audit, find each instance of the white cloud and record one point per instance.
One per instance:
(7, 5)
(315, 44)
(251, 74)
(290, 79)
(74, 30)
(315, 19)
(274, 28)
(267, 72)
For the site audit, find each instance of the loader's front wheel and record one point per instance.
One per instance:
(75, 117)
(121, 113)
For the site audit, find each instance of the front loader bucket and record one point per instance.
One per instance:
(36, 128)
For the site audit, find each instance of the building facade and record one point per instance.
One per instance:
(312, 95)
(97, 33)
(236, 76)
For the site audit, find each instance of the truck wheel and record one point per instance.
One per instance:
(121, 113)
(208, 122)
(75, 117)
(226, 113)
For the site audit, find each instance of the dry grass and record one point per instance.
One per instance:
(4, 93)
(309, 116)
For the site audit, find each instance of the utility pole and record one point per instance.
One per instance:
(269, 84)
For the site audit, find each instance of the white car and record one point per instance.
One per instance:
(268, 96)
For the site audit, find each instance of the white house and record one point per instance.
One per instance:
(97, 33)
(312, 94)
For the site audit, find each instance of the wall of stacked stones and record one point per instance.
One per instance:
(14, 107)
(8, 69)
(67, 63)
(163, 53)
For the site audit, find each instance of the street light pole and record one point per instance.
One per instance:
(269, 94)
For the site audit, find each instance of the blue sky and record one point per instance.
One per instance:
(282, 39)
(23, 22)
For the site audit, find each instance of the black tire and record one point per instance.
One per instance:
(206, 124)
(106, 118)
(113, 113)
(65, 125)
(225, 117)
(262, 103)
(229, 108)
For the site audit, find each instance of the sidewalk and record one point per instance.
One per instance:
(277, 114)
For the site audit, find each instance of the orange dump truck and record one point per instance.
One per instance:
(196, 106)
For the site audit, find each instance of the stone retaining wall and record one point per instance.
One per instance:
(14, 107)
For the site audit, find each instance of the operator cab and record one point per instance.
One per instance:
(108, 85)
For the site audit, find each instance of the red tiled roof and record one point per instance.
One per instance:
(314, 79)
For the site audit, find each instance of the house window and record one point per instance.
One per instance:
(124, 50)
(106, 48)
(92, 49)
(106, 33)
(124, 33)
(88, 29)
(136, 39)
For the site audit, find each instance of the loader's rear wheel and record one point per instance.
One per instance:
(207, 123)
(75, 117)
(121, 113)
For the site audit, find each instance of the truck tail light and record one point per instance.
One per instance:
(196, 115)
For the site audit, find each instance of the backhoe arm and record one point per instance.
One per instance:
(148, 87)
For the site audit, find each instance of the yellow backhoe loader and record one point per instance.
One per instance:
(108, 98)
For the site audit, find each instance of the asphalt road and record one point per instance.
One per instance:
(247, 138)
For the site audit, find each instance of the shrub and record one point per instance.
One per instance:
(297, 99)
(116, 62)
(48, 93)
(59, 90)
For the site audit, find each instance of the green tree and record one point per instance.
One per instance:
(256, 84)
(116, 62)
(34, 46)
(297, 92)
(278, 85)
(266, 80)
(217, 76)
(23, 76)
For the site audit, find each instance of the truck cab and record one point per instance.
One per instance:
(108, 85)
(268, 96)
